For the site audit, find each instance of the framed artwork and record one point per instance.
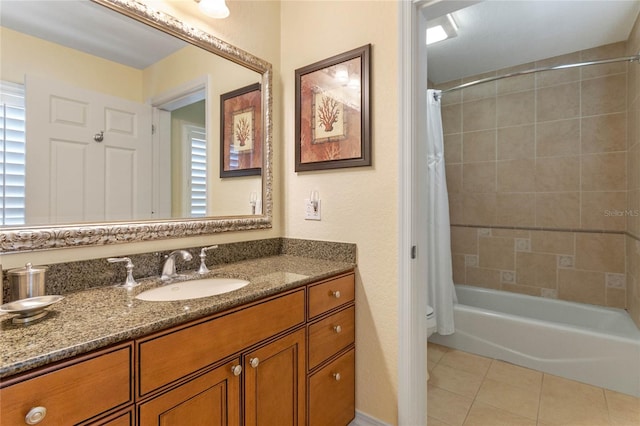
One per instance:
(241, 132)
(332, 112)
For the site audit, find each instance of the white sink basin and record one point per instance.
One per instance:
(192, 289)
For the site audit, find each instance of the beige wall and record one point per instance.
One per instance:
(23, 54)
(263, 17)
(541, 151)
(229, 196)
(633, 181)
(359, 205)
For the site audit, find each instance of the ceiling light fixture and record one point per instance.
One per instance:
(214, 8)
(441, 28)
(436, 34)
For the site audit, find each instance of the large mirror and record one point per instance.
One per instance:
(121, 123)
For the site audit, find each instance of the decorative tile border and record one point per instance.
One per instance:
(471, 260)
(566, 261)
(615, 280)
(508, 277)
(486, 229)
(523, 244)
(483, 232)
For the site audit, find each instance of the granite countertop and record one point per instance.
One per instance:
(95, 318)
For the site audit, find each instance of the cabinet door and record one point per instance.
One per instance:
(211, 399)
(275, 382)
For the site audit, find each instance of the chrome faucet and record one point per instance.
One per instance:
(169, 267)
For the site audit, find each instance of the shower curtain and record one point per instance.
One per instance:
(441, 291)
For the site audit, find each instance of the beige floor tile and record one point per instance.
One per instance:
(515, 375)
(473, 390)
(486, 415)
(446, 406)
(466, 362)
(514, 399)
(432, 421)
(623, 409)
(564, 401)
(454, 380)
(435, 352)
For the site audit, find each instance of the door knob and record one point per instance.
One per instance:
(99, 137)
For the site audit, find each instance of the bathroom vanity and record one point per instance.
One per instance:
(278, 351)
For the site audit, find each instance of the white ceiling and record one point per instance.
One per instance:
(90, 28)
(496, 34)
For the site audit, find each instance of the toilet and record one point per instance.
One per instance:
(431, 321)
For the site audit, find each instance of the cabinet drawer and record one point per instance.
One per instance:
(168, 356)
(332, 401)
(330, 335)
(330, 294)
(90, 386)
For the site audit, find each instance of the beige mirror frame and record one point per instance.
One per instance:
(93, 234)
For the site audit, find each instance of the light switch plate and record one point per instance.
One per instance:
(309, 212)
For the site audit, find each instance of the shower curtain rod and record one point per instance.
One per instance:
(531, 71)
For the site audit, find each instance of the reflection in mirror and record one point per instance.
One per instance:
(129, 132)
(101, 130)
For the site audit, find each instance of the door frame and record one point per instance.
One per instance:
(412, 288)
(412, 181)
(162, 105)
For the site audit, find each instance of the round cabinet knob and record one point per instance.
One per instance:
(35, 415)
(337, 376)
(254, 362)
(337, 329)
(236, 370)
(336, 294)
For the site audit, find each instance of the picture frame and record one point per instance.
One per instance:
(332, 112)
(241, 132)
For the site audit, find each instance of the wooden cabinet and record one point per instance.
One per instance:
(71, 392)
(331, 392)
(331, 358)
(330, 294)
(170, 355)
(212, 398)
(287, 360)
(274, 382)
(330, 335)
(273, 379)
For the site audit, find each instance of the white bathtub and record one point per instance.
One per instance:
(590, 344)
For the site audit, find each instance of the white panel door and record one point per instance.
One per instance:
(70, 176)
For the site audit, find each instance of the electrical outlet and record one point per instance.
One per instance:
(311, 212)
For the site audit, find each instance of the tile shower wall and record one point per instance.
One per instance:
(578, 266)
(537, 179)
(633, 181)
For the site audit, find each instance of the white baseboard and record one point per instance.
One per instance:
(363, 419)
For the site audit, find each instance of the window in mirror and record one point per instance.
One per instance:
(12, 154)
(197, 185)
